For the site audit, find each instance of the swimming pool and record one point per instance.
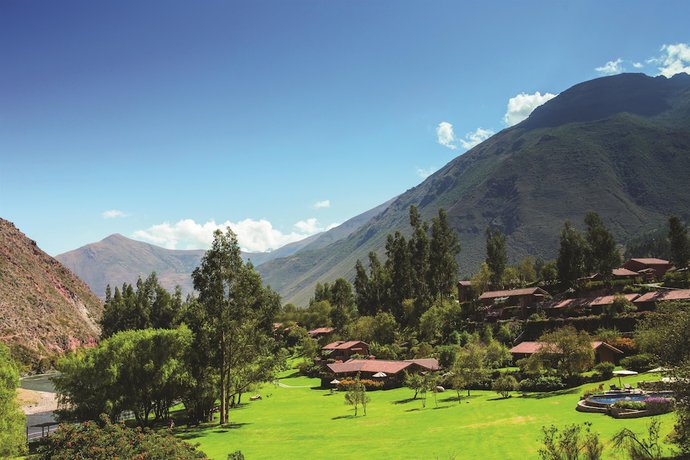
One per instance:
(612, 398)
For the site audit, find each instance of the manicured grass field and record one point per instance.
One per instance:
(293, 423)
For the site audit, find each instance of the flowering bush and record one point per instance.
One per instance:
(345, 384)
(108, 441)
(659, 405)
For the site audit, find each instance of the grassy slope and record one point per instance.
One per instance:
(632, 170)
(311, 423)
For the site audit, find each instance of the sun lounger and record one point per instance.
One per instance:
(628, 387)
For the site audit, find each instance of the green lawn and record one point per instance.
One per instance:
(312, 423)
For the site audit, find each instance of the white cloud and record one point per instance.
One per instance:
(112, 214)
(611, 67)
(322, 204)
(638, 65)
(252, 235)
(445, 135)
(476, 137)
(425, 172)
(674, 59)
(520, 106)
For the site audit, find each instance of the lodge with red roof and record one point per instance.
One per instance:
(391, 373)
(650, 268)
(650, 299)
(343, 350)
(603, 352)
(320, 332)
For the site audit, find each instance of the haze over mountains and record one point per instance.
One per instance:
(618, 145)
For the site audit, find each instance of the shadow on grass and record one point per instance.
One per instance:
(416, 409)
(340, 417)
(458, 400)
(499, 398)
(441, 407)
(404, 401)
(550, 394)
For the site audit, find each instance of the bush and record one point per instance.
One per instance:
(504, 385)
(346, 384)
(626, 345)
(543, 383)
(640, 363)
(89, 440)
(605, 370)
(631, 405)
(659, 405)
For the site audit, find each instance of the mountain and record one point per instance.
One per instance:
(117, 259)
(618, 145)
(44, 308)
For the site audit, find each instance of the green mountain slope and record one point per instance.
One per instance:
(618, 145)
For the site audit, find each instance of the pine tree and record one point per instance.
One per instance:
(602, 255)
(419, 254)
(680, 245)
(571, 255)
(444, 247)
(496, 257)
(399, 267)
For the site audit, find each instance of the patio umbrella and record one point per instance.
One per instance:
(658, 369)
(622, 373)
(335, 382)
(380, 375)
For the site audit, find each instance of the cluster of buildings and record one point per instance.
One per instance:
(520, 303)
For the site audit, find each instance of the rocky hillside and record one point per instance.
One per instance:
(44, 308)
(618, 145)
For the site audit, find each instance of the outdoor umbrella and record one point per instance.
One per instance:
(622, 373)
(335, 382)
(380, 375)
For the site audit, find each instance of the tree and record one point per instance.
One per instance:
(12, 420)
(419, 250)
(571, 255)
(357, 394)
(601, 256)
(568, 349)
(240, 311)
(619, 305)
(414, 381)
(399, 267)
(571, 443)
(150, 305)
(482, 279)
(144, 371)
(504, 385)
(444, 248)
(496, 257)
(469, 368)
(680, 244)
(549, 272)
(106, 440)
(343, 302)
(665, 334)
(637, 447)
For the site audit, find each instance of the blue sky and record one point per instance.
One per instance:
(163, 120)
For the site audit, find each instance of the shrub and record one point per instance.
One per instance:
(640, 363)
(543, 383)
(107, 441)
(659, 405)
(632, 405)
(346, 384)
(605, 370)
(504, 385)
(626, 345)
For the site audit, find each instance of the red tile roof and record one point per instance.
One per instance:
(651, 261)
(512, 293)
(664, 296)
(321, 330)
(528, 348)
(465, 283)
(341, 345)
(380, 365)
(624, 272)
(592, 302)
